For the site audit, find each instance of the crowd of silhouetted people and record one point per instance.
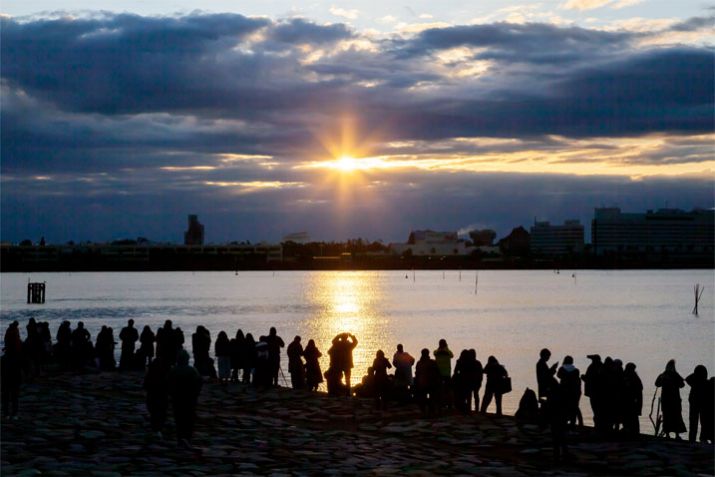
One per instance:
(432, 382)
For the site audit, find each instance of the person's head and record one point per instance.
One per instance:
(297, 339)
(443, 343)
(567, 360)
(167, 324)
(596, 358)
(545, 354)
(618, 363)
(80, 325)
(400, 348)
(380, 354)
(464, 355)
(425, 353)
(272, 331)
(630, 368)
(311, 343)
(701, 371)
(222, 336)
(492, 360)
(130, 322)
(249, 337)
(146, 328)
(670, 366)
(182, 359)
(473, 354)
(239, 334)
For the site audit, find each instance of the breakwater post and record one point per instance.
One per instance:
(698, 295)
(36, 292)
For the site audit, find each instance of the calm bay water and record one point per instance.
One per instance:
(639, 316)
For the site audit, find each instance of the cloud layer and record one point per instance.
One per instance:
(110, 113)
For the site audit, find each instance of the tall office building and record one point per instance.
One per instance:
(671, 232)
(195, 234)
(553, 240)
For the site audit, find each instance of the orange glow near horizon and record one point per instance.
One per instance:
(349, 164)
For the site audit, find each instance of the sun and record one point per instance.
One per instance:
(346, 163)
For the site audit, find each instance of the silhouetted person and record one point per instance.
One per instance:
(13, 342)
(697, 381)
(477, 380)
(528, 411)
(707, 419)
(263, 374)
(63, 347)
(157, 394)
(166, 343)
(428, 383)
(179, 339)
(184, 384)
(443, 356)
(10, 381)
(545, 373)
(555, 411)
(332, 380)
(82, 349)
(632, 400)
(249, 357)
(128, 336)
(464, 380)
(32, 347)
(495, 381)
(46, 342)
(296, 368)
(313, 374)
(380, 365)
(403, 362)
(593, 389)
(146, 349)
(105, 349)
(201, 345)
(237, 344)
(670, 383)
(341, 356)
(570, 384)
(222, 350)
(275, 343)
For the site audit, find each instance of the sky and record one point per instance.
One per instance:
(348, 119)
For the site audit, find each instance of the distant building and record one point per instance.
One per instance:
(431, 243)
(517, 243)
(554, 240)
(672, 232)
(482, 238)
(297, 237)
(195, 234)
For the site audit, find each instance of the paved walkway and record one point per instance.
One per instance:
(96, 424)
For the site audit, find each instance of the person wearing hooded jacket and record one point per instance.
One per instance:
(570, 384)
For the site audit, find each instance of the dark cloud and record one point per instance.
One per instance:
(110, 115)
(300, 31)
(531, 42)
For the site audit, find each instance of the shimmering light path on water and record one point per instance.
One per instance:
(639, 316)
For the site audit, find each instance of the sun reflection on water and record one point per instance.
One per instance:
(347, 302)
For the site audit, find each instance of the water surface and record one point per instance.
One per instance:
(639, 316)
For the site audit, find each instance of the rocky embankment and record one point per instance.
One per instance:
(96, 424)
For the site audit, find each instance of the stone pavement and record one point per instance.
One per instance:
(96, 424)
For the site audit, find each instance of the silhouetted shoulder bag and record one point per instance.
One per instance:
(506, 385)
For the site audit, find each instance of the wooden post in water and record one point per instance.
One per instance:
(698, 295)
(36, 292)
(476, 283)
